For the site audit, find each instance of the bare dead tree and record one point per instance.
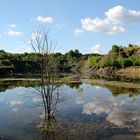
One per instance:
(47, 71)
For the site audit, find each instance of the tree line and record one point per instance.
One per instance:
(72, 61)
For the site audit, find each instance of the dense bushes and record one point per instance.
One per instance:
(118, 56)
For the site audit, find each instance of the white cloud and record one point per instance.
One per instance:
(94, 25)
(103, 106)
(79, 101)
(78, 32)
(15, 102)
(119, 111)
(36, 99)
(123, 116)
(14, 110)
(13, 33)
(12, 26)
(120, 15)
(99, 25)
(60, 26)
(42, 19)
(115, 29)
(98, 87)
(96, 48)
(97, 107)
(111, 23)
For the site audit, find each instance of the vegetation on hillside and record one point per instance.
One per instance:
(118, 56)
(72, 61)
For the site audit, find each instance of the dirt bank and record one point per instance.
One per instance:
(130, 72)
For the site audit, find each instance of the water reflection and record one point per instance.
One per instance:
(91, 112)
(50, 130)
(75, 85)
(122, 111)
(119, 112)
(51, 96)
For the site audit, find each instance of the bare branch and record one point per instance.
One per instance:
(47, 70)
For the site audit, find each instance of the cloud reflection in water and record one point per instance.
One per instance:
(120, 111)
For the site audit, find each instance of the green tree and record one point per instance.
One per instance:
(115, 49)
(121, 61)
(93, 61)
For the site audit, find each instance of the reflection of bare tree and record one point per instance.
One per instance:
(51, 130)
(47, 73)
(47, 89)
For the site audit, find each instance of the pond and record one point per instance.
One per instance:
(87, 112)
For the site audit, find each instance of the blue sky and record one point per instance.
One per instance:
(87, 25)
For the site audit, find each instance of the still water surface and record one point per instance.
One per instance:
(88, 112)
